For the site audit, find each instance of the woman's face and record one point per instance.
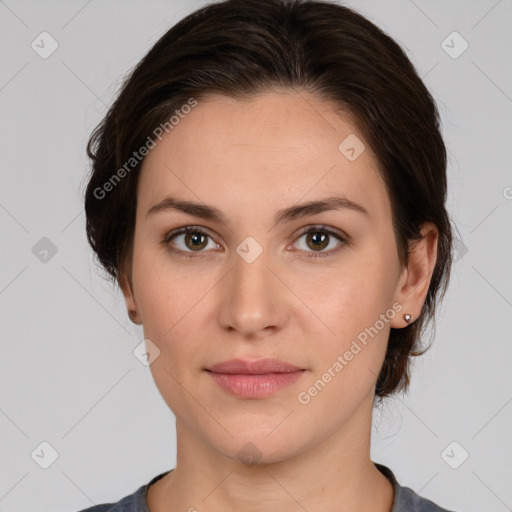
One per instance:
(262, 283)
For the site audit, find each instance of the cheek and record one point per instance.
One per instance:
(348, 360)
(165, 292)
(349, 297)
(354, 302)
(174, 304)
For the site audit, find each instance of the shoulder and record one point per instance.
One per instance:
(130, 503)
(106, 507)
(410, 501)
(406, 500)
(135, 502)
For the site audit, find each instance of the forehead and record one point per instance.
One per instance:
(278, 146)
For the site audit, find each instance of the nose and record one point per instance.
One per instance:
(253, 300)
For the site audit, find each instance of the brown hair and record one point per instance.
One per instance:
(242, 47)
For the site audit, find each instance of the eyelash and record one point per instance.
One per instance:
(309, 254)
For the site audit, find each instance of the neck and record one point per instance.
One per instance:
(337, 470)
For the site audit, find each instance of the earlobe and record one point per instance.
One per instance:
(130, 301)
(417, 276)
(134, 316)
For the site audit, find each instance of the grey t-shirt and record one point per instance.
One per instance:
(405, 500)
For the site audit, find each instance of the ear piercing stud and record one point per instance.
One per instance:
(407, 317)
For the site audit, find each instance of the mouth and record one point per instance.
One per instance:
(254, 379)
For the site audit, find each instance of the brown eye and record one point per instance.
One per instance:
(189, 240)
(317, 240)
(196, 241)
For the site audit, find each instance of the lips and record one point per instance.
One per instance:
(260, 367)
(254, 379)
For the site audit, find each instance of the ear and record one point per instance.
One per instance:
(414, 281)
(125, 284)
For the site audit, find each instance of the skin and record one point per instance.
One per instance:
(250, 159)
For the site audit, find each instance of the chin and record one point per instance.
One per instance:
(253, 447)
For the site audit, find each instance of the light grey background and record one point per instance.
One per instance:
(67, 373)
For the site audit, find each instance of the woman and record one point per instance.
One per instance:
(268, 190)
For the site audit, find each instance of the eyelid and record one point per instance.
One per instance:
(322, 227)
(187, 229)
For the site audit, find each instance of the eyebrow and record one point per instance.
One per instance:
(288, 214)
